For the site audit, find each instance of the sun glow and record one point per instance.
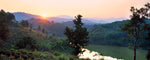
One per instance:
(92, 55)
(44, 16)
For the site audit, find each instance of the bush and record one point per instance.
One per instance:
(71, 58)
(43, 55)
(102, 59)
(51, 56)
(56, 53)
(27, 42)
(62, 58)
(44, 46)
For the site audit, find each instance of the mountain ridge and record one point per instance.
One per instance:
(65, 18)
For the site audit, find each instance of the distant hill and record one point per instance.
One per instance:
(64, 18)
(108, 34)
(24, 16)
(111, 34)
(57, 24)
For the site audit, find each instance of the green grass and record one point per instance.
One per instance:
(33, 55)
(118, 52)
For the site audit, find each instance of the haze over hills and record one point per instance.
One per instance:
(74, 30)
(64, 18)
(24, 16)
(57, 24)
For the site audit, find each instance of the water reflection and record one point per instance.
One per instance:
(92, 55)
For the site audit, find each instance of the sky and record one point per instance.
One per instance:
(87, 8)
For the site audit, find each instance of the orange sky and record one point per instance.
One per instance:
(87, 8)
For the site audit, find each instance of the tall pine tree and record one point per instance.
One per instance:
(4, 30)
(77, 38)
(135, 26)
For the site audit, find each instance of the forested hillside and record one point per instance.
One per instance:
(111, 34)
(21, 41)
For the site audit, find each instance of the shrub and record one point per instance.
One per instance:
(44, 46)
(35, 53)
(51, 56)
(71, 58)
(56, 53)
(102, 59)
(43, 55)
(17, 55)
(27, 42)
(62, 58)
(8, 53)
(24, 57)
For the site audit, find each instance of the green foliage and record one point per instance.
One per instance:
(45, 46)
(4, 20)
(27, 42)
(43, 55)
(43, 30)
(30, 27)
(102, 59)
(104, 33)
(56, 53)
(38, 45)
(39, 28)
(148, 55)
(25, 23)
(135, 25)
(147, 25)
(62, 58)
(85, 59)
(59, 45)
(77, 38)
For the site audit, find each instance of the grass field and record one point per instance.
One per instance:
(118, 52)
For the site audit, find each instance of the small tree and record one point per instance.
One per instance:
(77, 38)
(39, 28)
(27, 42)
(135, 25)
(43, 30)
(53, 34)
(25, 23)
(31, 27)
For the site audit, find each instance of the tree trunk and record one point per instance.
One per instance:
(135, 49)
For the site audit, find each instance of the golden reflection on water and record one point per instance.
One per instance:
(92, 55)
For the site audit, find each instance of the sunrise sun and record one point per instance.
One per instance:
(44, 15)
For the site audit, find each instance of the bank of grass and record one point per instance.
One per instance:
(23, 54)
(118, 52)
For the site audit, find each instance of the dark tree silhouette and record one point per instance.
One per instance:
(10, 18)
(43, 30)
(31, 27)
(39, 28)
(27, 41)
(135, 25)
(77, 38)
(53, 34)
(25, 23)
(5, 20)
(4, 30)
(147, 25)
(148, 55)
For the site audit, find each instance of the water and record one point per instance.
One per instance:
(92, 55)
